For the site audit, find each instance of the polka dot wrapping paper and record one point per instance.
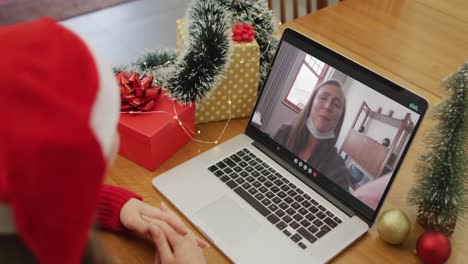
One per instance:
(239, 84)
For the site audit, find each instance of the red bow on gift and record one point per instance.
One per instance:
(137, 93)
(243, 32)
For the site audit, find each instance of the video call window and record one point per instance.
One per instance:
(347, 131)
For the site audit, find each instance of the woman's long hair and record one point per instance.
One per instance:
(299, 133)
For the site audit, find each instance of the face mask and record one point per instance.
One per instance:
(317, 134)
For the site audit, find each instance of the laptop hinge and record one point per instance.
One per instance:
(315, 186)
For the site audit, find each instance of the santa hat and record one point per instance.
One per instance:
(60, 108)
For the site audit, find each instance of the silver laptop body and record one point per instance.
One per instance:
(222, 199)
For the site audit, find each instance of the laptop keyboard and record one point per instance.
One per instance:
(292, 211)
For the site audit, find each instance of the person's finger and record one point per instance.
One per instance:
(139, 225)
(171, 213)
(194, 239)
(164, 206)
(165, 253)
(200, 242)
(149, 217)
(172, 236)
(150, 212)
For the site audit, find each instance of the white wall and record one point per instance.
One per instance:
(355, 93)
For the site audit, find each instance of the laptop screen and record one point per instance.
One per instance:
(344, 127)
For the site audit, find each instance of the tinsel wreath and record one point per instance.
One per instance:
(192, 75)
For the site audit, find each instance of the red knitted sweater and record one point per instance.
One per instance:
(111, 200)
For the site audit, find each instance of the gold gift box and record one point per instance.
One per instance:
(238, 85)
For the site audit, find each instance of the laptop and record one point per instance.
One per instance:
(311, 171)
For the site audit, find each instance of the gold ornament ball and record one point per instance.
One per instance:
(393, 226)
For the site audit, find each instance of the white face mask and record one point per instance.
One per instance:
(317, 134)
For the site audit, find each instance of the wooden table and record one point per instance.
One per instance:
(415, 43)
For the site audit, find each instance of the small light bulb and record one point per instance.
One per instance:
(198, 132)
(229, 102)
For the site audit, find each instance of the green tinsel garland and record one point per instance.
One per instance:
(207, 55)
(191, 76)
(148, 62)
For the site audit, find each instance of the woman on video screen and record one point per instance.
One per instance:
(312, 135)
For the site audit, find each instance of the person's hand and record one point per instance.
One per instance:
(174, 248)
(136, 216)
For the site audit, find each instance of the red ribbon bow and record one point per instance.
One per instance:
(137, 93)
(243, 32)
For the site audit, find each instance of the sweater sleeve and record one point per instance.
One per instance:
(110, 202)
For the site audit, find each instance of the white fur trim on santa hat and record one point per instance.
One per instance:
(106, 108)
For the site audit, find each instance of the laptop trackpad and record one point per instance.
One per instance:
(227, 220)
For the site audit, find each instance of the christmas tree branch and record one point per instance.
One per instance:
(441, 192)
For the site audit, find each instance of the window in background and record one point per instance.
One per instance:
(310, 74)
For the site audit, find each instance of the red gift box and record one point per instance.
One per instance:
(151, 138)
